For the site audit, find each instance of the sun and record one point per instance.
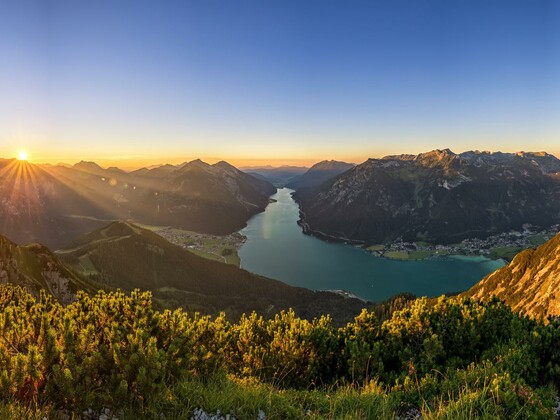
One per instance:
(22, 155)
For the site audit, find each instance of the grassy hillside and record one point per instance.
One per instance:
(453, 359)
(530, 284)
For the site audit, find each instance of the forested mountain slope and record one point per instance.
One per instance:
(438, 196)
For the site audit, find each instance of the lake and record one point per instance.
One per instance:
(277, 248)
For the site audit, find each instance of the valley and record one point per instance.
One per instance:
(126, 256)
(280, 210)
(277, 247)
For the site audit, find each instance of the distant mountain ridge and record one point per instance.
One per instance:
(530, 284)
(54, 204)
(36, 205)
(319, 174)
(438, 196)
(279, 176)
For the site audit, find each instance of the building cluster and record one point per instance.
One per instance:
(529, 237)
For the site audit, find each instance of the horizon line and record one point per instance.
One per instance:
(132, 163)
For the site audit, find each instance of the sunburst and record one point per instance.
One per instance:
(22, 155)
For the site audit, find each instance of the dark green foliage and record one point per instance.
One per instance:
(106, 349)
(286, 350)
(114, 349)
(384, 310)
(127, 256)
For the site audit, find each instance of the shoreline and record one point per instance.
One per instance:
(410, 251)
(322, 235)
(347, 294)
(362, 244)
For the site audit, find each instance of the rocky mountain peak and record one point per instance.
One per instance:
(437, 153)
(435, 156)
(437, 196)
(195, 164)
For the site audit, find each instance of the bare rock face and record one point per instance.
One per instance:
(36, 268)
(438, 196)
(530, 284)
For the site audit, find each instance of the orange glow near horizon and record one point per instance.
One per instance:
(132, 162)
(140, 162)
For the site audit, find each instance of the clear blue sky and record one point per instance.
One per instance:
(277, 79)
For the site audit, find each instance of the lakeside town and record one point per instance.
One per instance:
(501, 246)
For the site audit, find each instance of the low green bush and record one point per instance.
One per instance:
(114, 350)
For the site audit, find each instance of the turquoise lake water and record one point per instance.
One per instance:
(277, 248)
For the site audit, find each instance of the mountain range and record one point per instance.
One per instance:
(438, 197)
(279, 176)
(55, 204)
(435, 196)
